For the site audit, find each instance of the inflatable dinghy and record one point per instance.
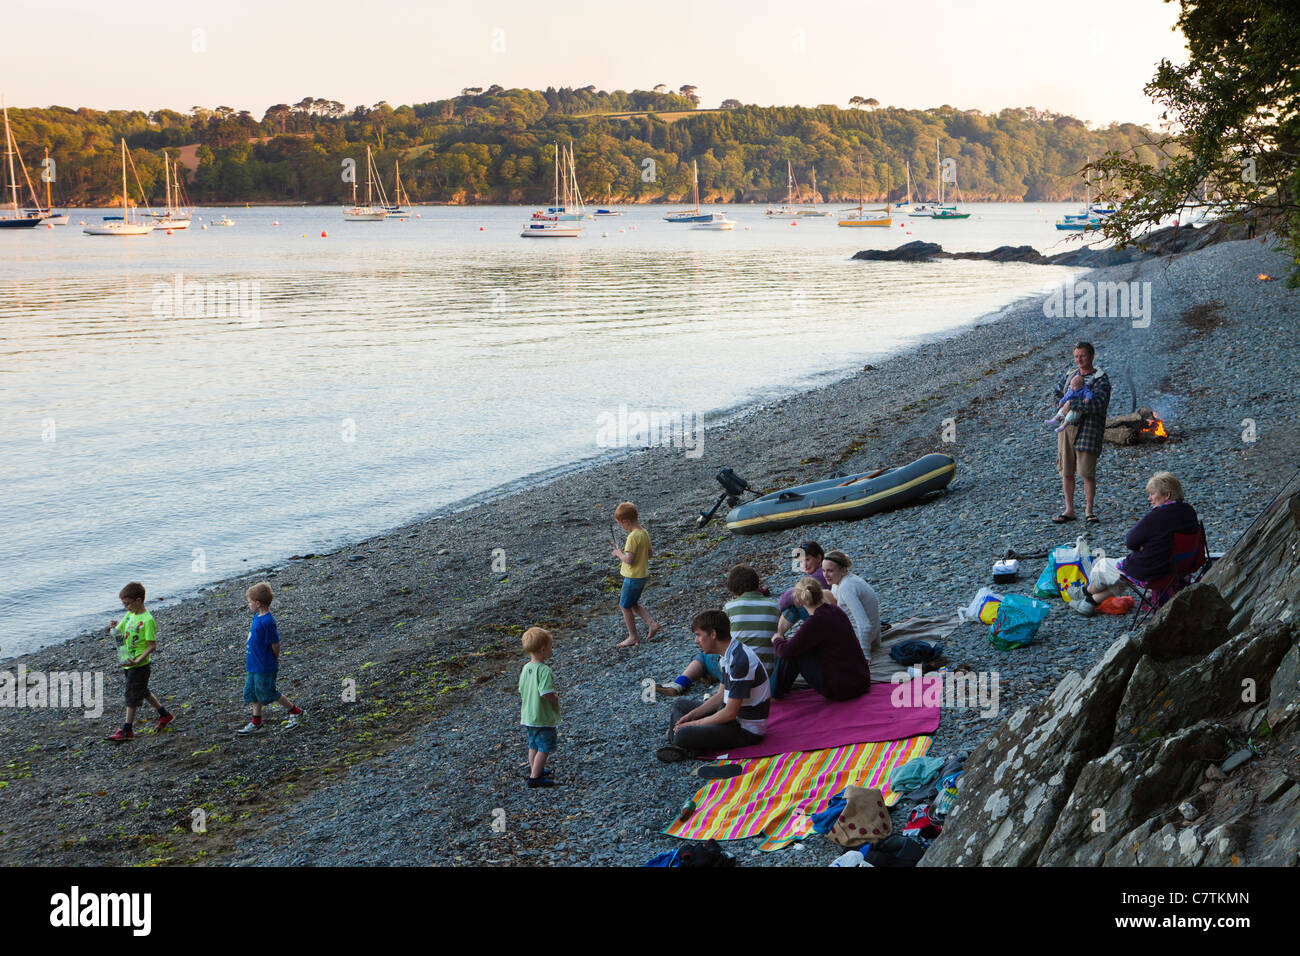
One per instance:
(834, 498)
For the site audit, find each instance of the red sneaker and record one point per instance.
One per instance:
(163, 722)
(122, 735)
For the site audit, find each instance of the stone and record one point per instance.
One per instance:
(1128, 785)
(1213, 687)
(1188, 810)
(1284, 692)
(1017, 780)
(1236, 760)
(1193, 622)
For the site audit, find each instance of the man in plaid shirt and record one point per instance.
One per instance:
(1079, 444)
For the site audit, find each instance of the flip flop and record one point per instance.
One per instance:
(713, 771)
(1062, 518)
(1092, 519)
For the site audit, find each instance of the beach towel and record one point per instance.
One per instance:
(776, 796)
(805, 720)
(932, 629)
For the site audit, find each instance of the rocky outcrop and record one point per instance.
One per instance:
(1180, 747)
(1161, 242)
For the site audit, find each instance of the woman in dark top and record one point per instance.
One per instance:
(1151, 540)
(824, 649)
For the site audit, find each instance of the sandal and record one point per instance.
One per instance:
(1062, 518)
(1092, 519)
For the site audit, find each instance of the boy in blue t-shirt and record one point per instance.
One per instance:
(262, 661)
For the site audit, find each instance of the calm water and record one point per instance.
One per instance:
(395, 368)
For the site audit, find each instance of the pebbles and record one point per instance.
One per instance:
(450, 787)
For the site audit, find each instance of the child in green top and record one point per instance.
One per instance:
(137, 636)
(635, 568)
(540, 709)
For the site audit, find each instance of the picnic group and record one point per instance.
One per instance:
(821, 631)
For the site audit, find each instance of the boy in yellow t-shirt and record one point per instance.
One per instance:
(635, 555)
(137, 636)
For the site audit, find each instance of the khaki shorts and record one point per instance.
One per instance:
(1070, 462)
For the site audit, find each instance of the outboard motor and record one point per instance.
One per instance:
(733, 486)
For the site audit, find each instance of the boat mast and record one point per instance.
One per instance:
(49, 209)
(9, 154)
(908, 164)
(695, 183)
(124, 212)
(167, 186)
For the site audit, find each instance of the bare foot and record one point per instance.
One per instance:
(628, 642)
(650, 634)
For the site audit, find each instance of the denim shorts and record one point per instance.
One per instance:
(710, 663)
(542, 738)
(260, 689)
(630, 596)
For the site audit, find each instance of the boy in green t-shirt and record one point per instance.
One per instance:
(635, 568)
(540, 710)
(137, 636)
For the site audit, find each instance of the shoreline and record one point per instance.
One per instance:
(526, 484)
(428, 630)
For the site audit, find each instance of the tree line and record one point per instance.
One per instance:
(496, 145)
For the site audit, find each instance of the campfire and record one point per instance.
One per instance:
(1142, 427)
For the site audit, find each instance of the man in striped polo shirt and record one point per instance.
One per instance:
(753, 617)
(736, 715)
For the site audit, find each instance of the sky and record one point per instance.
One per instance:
(1088, 60)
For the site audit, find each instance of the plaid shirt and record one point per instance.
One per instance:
(1093, 423)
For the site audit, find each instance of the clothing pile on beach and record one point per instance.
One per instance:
(856, 818)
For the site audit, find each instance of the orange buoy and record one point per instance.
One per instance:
(81, 222)
(275, 222)
(794, 223)
(480, 228)
(49, 225)
(170, 233)
(324, 234)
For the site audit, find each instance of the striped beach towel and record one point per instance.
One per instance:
(776, 796)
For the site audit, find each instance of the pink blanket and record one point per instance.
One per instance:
(805, 720)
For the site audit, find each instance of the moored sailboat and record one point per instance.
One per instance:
(550, 226)
(861, 216)
(696, 214)
(368, 212)
(18, 219)
(126, 225)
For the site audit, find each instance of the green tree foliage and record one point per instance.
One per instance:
(1234, 113)
(496, 145)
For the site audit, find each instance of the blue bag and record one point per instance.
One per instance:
(1017, 622)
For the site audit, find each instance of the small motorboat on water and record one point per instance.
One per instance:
(716, 222)
(854, 496)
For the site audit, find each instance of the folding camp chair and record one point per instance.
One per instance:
(1188, 563)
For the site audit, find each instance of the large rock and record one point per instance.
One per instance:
(1115, 793)
(1194, 621)
(1260, 576)
(1017, 780)
(1284, 694)
(1231, 677)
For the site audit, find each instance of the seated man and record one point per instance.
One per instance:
(753, 616)
(736, 715)
(824, 651)
(791, 613)
(856, 597)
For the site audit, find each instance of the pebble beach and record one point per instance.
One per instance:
(404, 648)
